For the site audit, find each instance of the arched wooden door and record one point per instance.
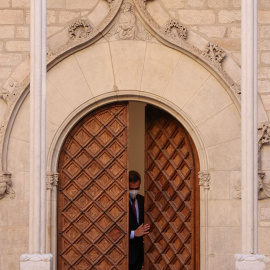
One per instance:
(171, 195)
(92, 196)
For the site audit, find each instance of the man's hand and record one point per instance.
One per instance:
(142, 230)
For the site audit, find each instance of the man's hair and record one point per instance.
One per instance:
(134, 177)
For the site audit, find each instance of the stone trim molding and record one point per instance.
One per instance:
(51, 180)
(205, 178)
(36, 257)
(249, 257)
(80, 29)
(6, 185)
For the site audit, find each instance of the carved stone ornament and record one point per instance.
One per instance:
(80, 29)
(213, 54)
(110, 2)
(175, 30)
(51, 180)
(5, 185)
(204, 179)
(128, 26)
(249, 257)
(263, 134)
(36, 257)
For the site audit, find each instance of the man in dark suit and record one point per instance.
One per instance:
(137, 228)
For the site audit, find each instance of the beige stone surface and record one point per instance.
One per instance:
(225, 156)
(67, 16)
(195, 3)
(20, 3)
(235, 185)
(51, 30)
(57, 106)
(235, 32)
(81, 4)
(221, 262)
(264, 31)
(160, 63)
(99, 13)
(222, 127)
(16, 46)
(220, 185)
(173, 3)
(11, 16)
(10, 59)
(232, 69)
(96, 65)
(236, 3)
(264, 16)
(214, 31)
(230, 216)
(56, 3)
(265, 156)
(218, 3)
(197, 16)
(21, 127)
(183, 82)
(265, 58)
(4, 3)
(22, 32)
(18, 150)
(266, 101)
(128, 63)
(4, 72)
(226, 16)
(157, 12)
(230, 237)
(211, 93)
(263, 86)
(70, 82)
(7, 31)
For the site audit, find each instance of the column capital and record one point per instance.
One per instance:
(36, 261)
(246, 261)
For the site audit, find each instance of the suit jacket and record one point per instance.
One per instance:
(136, 251)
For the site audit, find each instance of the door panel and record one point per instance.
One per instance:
(92, 196)
(171, 194)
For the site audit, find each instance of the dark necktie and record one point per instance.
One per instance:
(134, 208)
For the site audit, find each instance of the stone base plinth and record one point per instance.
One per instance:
(36, 262)
(249, 262)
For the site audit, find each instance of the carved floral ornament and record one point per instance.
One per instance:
(213, 54)
(51, 180)
(175, 30)
(204, 177)
(6, 185)
(80, 29)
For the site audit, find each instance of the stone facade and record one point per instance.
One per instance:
(181, 55)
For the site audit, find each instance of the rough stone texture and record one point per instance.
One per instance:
(23, 32)
(218, 3)
(66, 16)
(226, 16)
(173, 3)
(11, 16)
(196, 3)
(197, 17)
(214, 31)
(265, 57)
(15, 46)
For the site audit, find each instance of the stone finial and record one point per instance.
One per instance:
(175, 30)
(204, 177)
(213, 54)
(51, 180)
(6, 185)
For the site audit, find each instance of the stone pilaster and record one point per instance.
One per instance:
(37, 259)
(249, 259)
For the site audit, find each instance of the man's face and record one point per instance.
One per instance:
(134, 186)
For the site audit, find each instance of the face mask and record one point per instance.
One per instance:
(133, 193)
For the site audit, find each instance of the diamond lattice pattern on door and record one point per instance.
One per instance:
(92, 205)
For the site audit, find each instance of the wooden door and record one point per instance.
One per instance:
(92, 196)
(171, 194)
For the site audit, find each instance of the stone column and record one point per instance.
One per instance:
(249, 259)
(37, 259)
